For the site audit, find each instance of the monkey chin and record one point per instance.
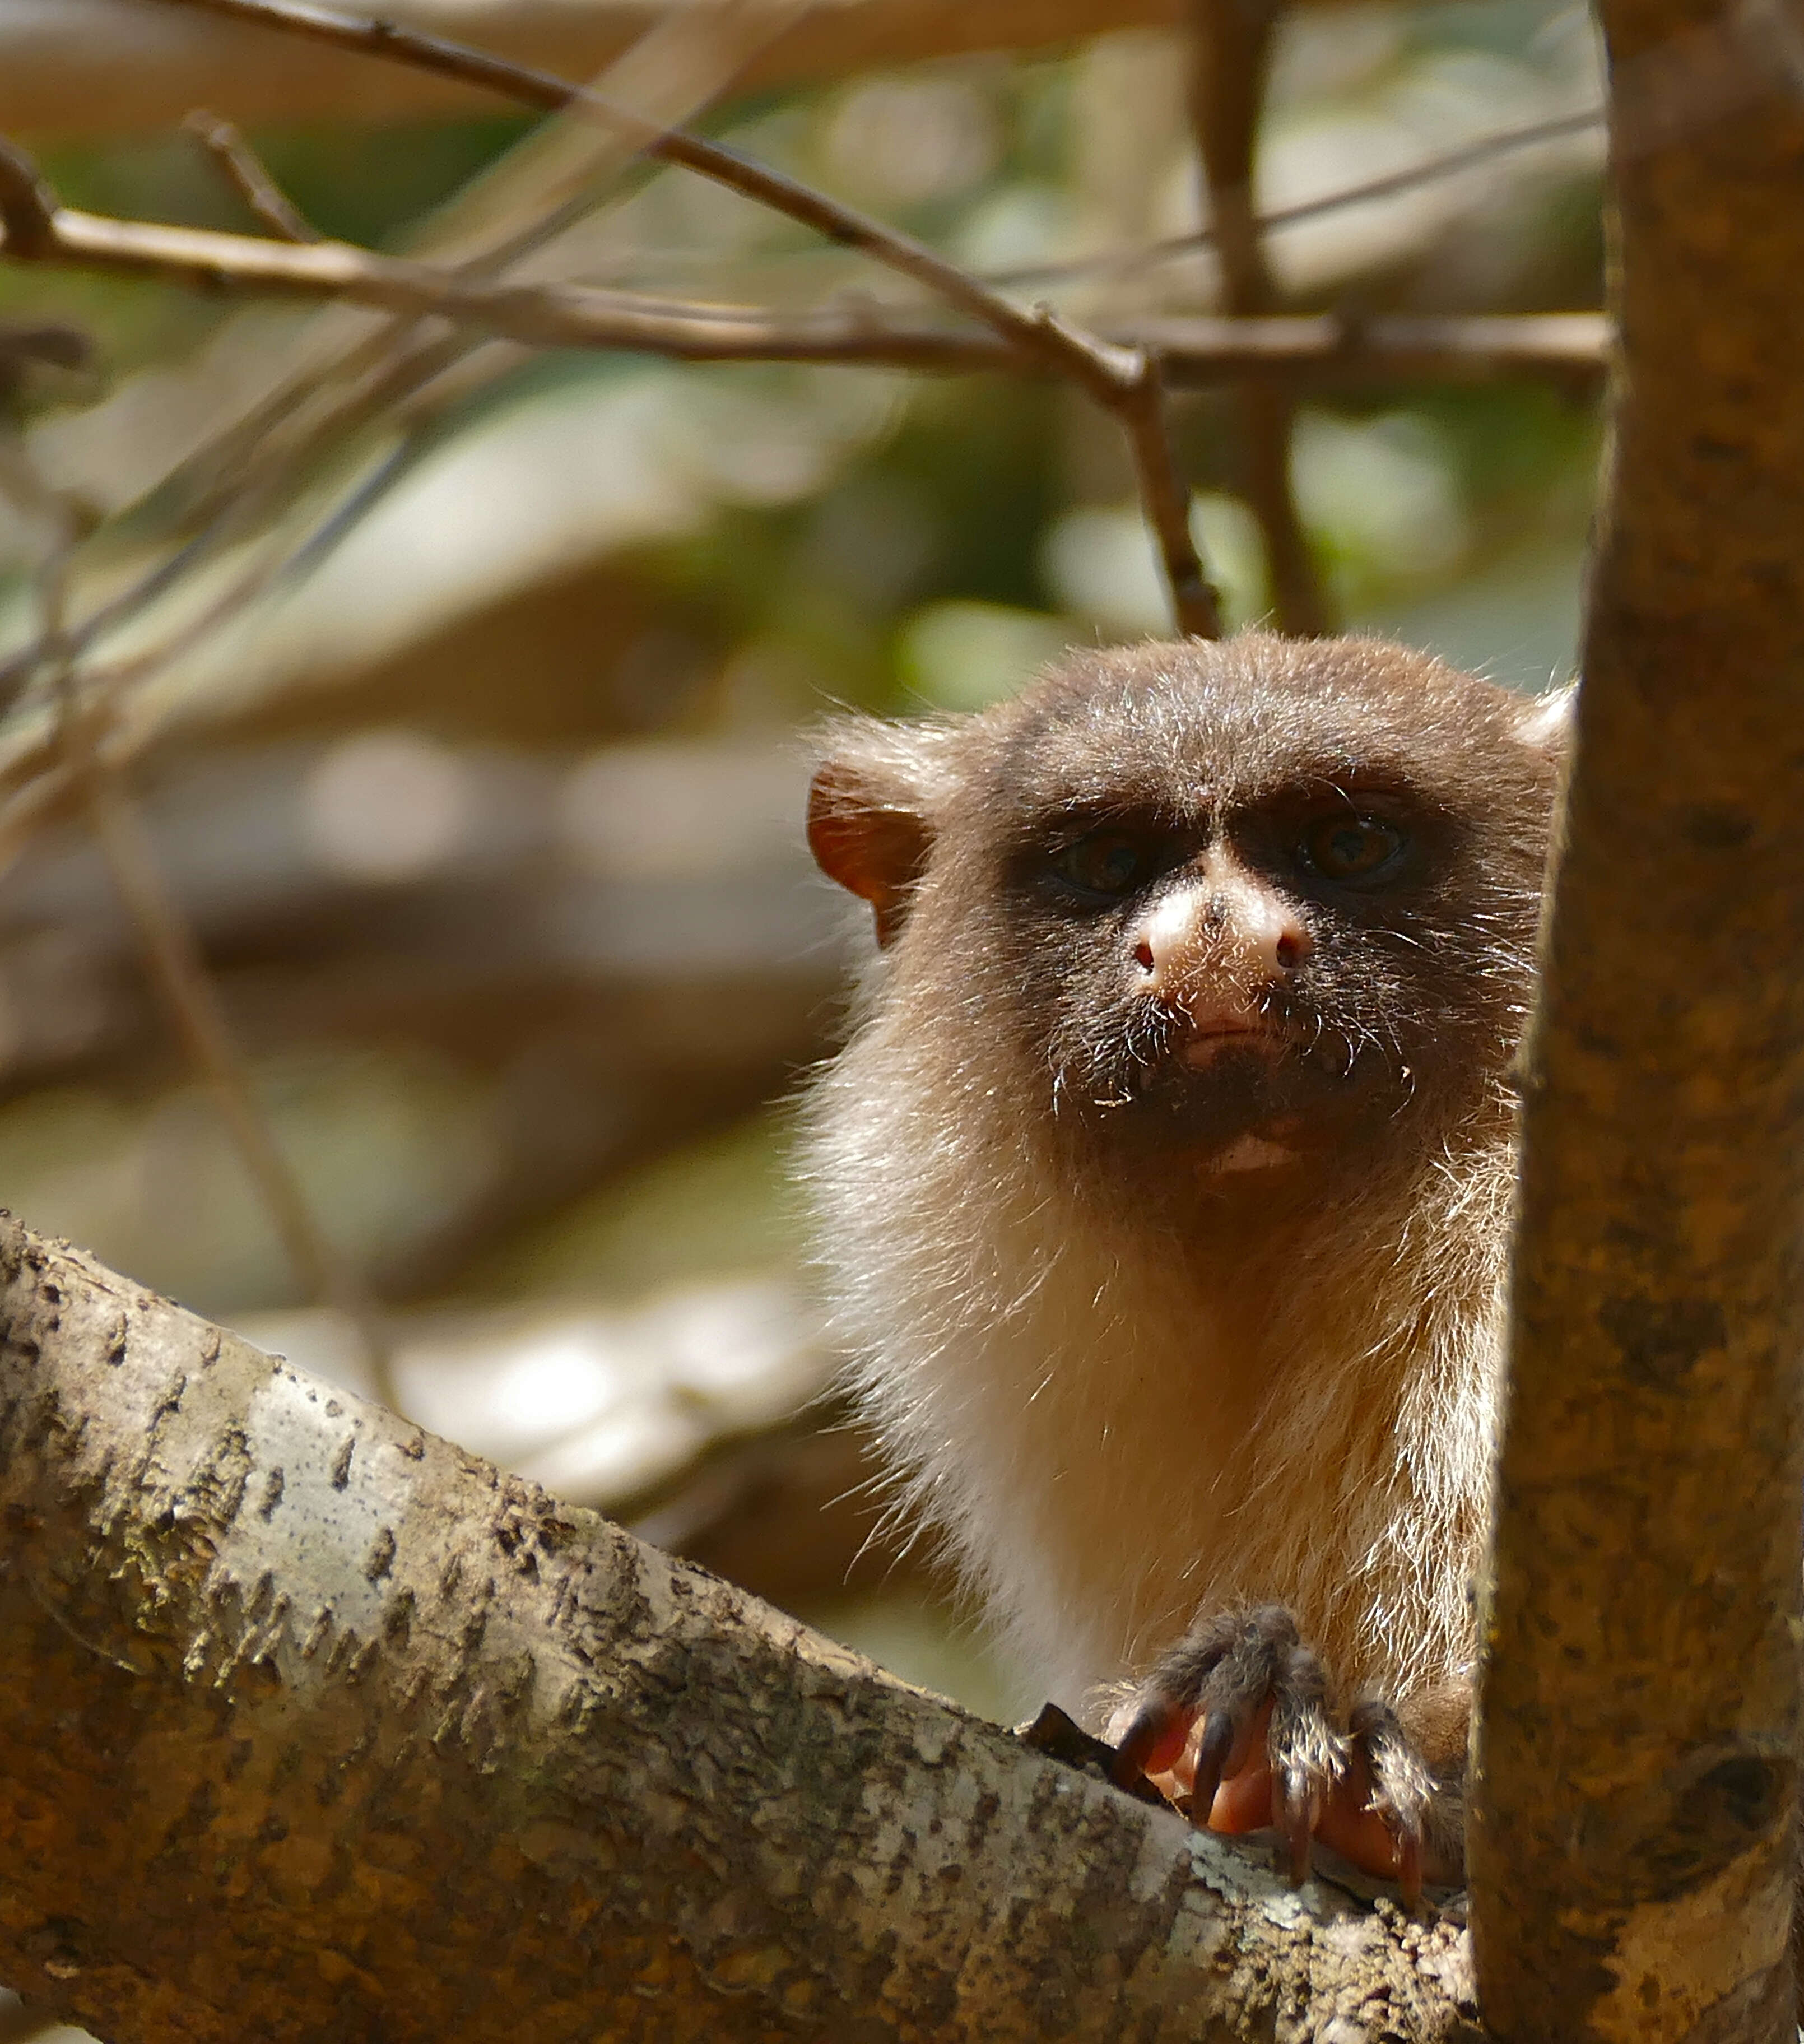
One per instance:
(1249, 1107)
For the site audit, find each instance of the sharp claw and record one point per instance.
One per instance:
(1297, 1821)
(1243, 1680)
(1145, 1729)
(1212, 1753)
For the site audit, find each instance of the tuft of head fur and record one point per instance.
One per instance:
(1122, 1387)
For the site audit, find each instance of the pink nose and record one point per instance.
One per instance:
(1229, 930)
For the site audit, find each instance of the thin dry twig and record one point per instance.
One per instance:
(1230, 54)
(180, 976)
(225, 520)
(1197, 350)
(508, 211)
(1191, 351)
(221, 495)
(512, 210)
(245, 170)
(1659, 95)
(178, 973)
(1568, 349)
(1394, 184)
(746, 333)
(1125, 382)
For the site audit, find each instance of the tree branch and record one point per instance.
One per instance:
(353, 1734)
(1563, 346)
(1231, 46)
(1394, 184)
(1123, 381)
(243, 170)
(173, 961)
(1634, 1851)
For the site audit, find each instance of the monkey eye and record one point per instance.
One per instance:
(1344, 847)
(1110, 861)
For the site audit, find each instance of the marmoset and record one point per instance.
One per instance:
(1165, 1183)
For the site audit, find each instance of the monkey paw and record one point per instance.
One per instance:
(1236, 1719)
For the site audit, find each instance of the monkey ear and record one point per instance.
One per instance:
(1546, 721)
(871, 812)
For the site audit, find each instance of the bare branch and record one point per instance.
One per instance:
(800, 203)
(180, 976)
(1191, 351)
(1565, 347)
(245, 172)
(586, 1791)
(1125, 262)
(1688, 81)
(1122, 380)
(1569, 348)
(345, 375)
(1231, 44)
(1124, 375)
(1165, 499)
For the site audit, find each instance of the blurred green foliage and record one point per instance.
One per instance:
(851, 538)
(936, 540)
(724, 1205)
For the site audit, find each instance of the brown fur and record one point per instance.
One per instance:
(1122, 1389)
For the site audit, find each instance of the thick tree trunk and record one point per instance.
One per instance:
(1632, 1853)
(313, 1726)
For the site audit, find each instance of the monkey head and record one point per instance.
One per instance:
(1240, 919)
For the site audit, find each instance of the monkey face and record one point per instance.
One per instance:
(1248, 909)
(1203, 981)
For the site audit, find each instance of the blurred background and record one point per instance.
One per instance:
(464, 733)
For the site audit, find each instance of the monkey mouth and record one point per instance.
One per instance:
(1242, 1093)
(1210, 1041)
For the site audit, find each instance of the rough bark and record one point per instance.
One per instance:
(1633, 1853)
(311, 1725)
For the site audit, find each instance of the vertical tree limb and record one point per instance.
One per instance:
(1231, 46)
(1632, 1849)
